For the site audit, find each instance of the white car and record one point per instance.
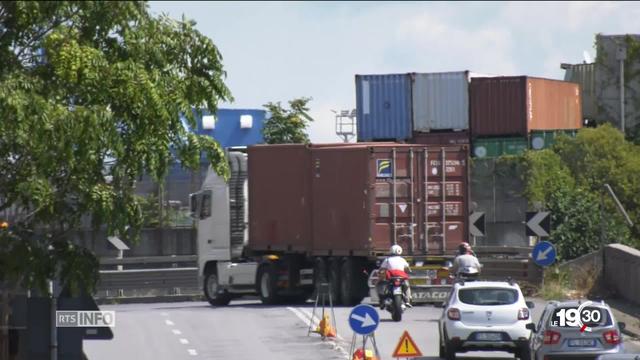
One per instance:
(485, 316)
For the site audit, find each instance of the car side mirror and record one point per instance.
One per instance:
(622, 325)
(530, 304)
(531, 326)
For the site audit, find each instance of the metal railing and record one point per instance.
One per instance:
(166, 278)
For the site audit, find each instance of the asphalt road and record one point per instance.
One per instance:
(249, 330)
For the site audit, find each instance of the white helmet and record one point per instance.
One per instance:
(396, 250)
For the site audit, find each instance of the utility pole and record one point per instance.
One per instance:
(621, 55)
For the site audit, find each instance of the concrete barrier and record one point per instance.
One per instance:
(622, 271)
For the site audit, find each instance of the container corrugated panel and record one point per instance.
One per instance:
(440, 138)
(360, 192)
(383, 105)
(495, 147)
(513, 106)
(585, 76)
(553, 105)
(543, 139)
(279, 197)
(440, 101)
(498, 106)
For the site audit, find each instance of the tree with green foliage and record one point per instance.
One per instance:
(287, 126)
(90, 98)
(569, 179)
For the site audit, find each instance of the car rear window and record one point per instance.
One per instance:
(592, 316)
(488, 296)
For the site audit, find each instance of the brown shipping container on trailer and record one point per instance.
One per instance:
(279, 198)
(355, 205)
(513, 106)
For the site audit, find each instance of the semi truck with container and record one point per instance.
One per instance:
(291, 217)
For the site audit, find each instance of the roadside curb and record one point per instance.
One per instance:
(148, 299)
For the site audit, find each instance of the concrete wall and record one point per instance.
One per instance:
(585, 267)
(496, 190)
(622, 271)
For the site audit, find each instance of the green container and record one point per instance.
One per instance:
(499, 146)
(544, 139)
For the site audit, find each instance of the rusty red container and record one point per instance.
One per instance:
(355, 202)
(514, 106)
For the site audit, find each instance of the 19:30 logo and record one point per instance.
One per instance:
(583, 317)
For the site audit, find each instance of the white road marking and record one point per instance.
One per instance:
(164, 314)
(192, 352)
(176, 331)
(184, 341)
(169, 322)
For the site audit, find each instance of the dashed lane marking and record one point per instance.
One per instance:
(184, 341)
(192, 352)
(169, 322)
(176, 331)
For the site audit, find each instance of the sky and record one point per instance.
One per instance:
(279, 51)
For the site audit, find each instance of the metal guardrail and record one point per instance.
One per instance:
(148, 278)
(145, 282)
(517, 269)
(149, 260)
(502, 251)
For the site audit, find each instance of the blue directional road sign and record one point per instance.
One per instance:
(544, 254)
(364, 319)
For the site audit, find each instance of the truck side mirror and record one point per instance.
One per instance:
(531, 326)
(193, 205)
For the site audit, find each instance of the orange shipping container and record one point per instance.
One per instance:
(514, 106)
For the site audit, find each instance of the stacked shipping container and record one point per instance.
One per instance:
(507, 113)
(405, 107)
(503, 114)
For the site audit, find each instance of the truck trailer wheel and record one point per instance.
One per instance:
(334, 280)
(319, 275)
(215, 296)
(266, 281)
(350, 283)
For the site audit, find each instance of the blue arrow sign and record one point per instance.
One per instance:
(544, 254)
(364, 319)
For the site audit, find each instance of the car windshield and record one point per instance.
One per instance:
(488, 296)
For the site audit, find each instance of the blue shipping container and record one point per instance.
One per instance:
(383, 105)
(233, 127)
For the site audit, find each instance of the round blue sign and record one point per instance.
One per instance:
(544, 253)
(364, 319)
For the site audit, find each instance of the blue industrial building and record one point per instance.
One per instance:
(233, 127)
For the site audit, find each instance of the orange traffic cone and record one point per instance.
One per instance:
(324, 327)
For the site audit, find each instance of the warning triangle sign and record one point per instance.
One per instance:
(406, 347)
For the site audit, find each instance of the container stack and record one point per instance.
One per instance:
(498, 115)
(511, 114)
(419, 108)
